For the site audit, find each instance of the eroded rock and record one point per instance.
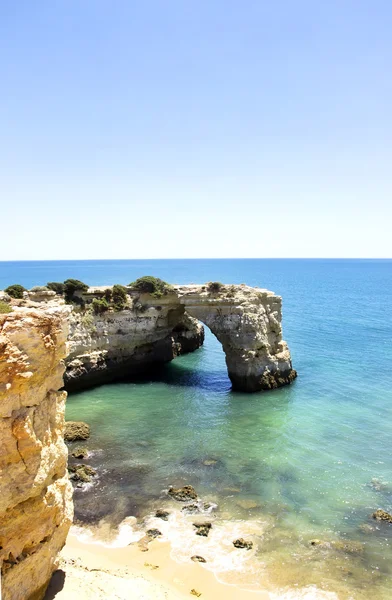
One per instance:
(203, 529)
(183, 494)
(241, 543)
(197, 558)
(80, 453)
(36, 496)
(382, 515)
(162, 514)
(76, 430)
(82, 473)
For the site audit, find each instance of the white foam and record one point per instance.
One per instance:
(217, 548)
(310, 592)
(127, 533)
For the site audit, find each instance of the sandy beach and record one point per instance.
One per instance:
(93, 571)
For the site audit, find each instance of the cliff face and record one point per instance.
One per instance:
(248, 323)
(115, 345)
(36, 496)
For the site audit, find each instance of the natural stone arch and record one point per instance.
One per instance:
(247, 322)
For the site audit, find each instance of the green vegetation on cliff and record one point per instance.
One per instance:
(5, 308)
(152, 285)
(71, 286)
(56, 286)
(119, 297)
(100, 306)
(15, 291)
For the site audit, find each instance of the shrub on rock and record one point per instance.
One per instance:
(152, 285)
(214, 286)
(119, 297)
(73, 285)
(56, 286)
(100, 306)
(15, 291)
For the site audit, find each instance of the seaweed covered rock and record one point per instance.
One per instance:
(76, 430)
(183, 494)
(382, 515)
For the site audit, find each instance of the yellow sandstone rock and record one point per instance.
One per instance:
(35, 494)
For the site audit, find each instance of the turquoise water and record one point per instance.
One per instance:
(312, 460)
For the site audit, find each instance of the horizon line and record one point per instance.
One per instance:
(200, 258)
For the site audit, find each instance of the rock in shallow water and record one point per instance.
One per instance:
(382, 515)
(348, 546)
(76, 430)
(241, 543)
(82, 473)
(80, 453)
(183, 494)
(199, 559)
(202, 529)
(162, 514)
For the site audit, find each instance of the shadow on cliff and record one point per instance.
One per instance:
(56, 584)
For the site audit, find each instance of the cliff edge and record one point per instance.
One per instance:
(36, 496)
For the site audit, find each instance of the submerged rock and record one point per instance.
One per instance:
(378, 485)
(348, 546)
(366, 528)
(241, 543)
(202, 529)
(76, 430)
(82, 473)
(382, 515)
(247, 504)
(199, 559)
(80, 453)
(210, 462)
(183, 494)
(162, 514)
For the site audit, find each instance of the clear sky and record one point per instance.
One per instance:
(195, 128)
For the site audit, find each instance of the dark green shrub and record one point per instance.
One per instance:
(73, 285)
(119, 297)
(15, 291)
(151, 285)
(57, 287)
(5, 308)
(108, 295)
(214, 286)
(100, 306)
(39, 288)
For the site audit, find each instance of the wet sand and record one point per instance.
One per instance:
(90, 570)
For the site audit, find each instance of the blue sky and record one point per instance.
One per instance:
(195, 129)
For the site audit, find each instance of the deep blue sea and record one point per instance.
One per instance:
(309, 461)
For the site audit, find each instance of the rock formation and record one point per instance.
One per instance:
(36, 497)
(119, 344)
(248, 323)
(116, 344)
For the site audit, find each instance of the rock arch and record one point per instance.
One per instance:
(247, 322)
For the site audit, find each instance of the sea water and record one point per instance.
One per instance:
(284, 468)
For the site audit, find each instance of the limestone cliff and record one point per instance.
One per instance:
(36, 498)
(117, 344)
(248, 323)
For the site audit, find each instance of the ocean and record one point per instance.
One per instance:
(300, 469)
